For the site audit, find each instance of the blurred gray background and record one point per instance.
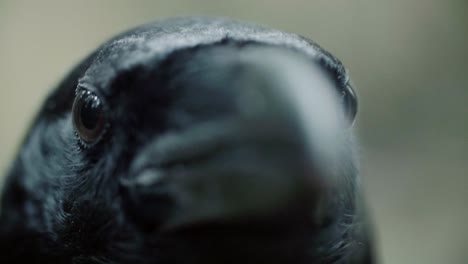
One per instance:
(408, 60)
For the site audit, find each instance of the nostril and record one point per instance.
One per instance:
(146, 200)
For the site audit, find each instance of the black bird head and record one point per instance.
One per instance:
(191, 140)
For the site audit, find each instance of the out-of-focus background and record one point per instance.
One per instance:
(408, 60)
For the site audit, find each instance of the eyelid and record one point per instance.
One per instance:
(84, 86)
(352, 93)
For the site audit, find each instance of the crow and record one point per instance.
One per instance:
(187, 141)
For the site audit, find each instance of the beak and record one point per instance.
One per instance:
(277, 157)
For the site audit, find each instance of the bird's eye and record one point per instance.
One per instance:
(350, 103)
(89, 117)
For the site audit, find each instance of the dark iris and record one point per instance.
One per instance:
(350, 103)
(89, 117)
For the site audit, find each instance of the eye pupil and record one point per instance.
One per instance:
(90, 112)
